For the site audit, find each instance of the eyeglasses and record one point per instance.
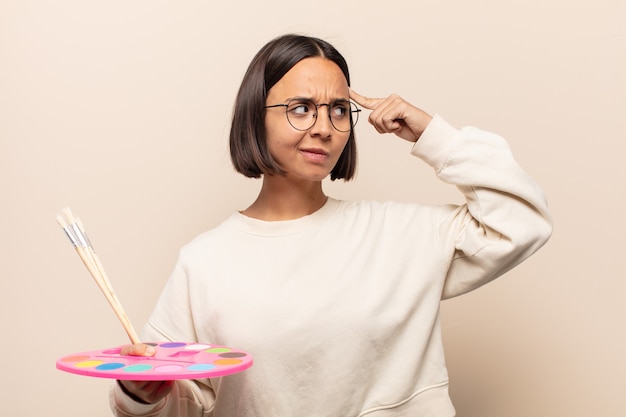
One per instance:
(302, 113)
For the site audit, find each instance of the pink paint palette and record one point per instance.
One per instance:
(173, 360)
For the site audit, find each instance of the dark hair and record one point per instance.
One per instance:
(248, 146)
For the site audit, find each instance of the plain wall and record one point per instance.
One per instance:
(120, 110)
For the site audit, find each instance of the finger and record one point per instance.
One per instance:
(368, 103)
(149, 392)
(386, 118)
(153, 391)
(161, 389)
(138, 349)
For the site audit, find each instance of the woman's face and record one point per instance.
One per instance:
(309, 154)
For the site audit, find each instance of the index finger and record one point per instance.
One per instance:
(368, 103)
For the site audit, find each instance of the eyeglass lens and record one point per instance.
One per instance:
(302, 114)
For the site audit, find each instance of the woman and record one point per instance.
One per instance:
(337, 301)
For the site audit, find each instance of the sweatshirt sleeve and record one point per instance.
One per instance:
(171, 320)
(188, 398)
(505, 217)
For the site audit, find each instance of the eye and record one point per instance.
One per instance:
(340, 109)
(299, 108)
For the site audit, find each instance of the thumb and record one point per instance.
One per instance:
(138, 349)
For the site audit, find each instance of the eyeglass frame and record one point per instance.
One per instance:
(317, 106)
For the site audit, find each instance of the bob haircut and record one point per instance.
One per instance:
(248, 146)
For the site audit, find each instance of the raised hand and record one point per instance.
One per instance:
(394, 115)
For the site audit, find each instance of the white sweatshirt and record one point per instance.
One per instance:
(340, 309)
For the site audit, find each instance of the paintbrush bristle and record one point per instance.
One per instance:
(69, 217)
(61, 221)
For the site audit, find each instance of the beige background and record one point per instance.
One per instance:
(120, 110)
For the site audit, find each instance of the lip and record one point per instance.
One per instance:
(315, 154)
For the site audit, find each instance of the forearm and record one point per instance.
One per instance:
(505, 218)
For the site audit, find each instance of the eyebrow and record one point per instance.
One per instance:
(334, 100)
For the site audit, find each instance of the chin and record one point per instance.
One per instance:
(314, 176)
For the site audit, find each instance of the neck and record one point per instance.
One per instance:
(282, 198)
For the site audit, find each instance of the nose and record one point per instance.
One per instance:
(322, 126)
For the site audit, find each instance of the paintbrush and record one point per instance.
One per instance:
(75, 232)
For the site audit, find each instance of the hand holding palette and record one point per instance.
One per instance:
(172, 360)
